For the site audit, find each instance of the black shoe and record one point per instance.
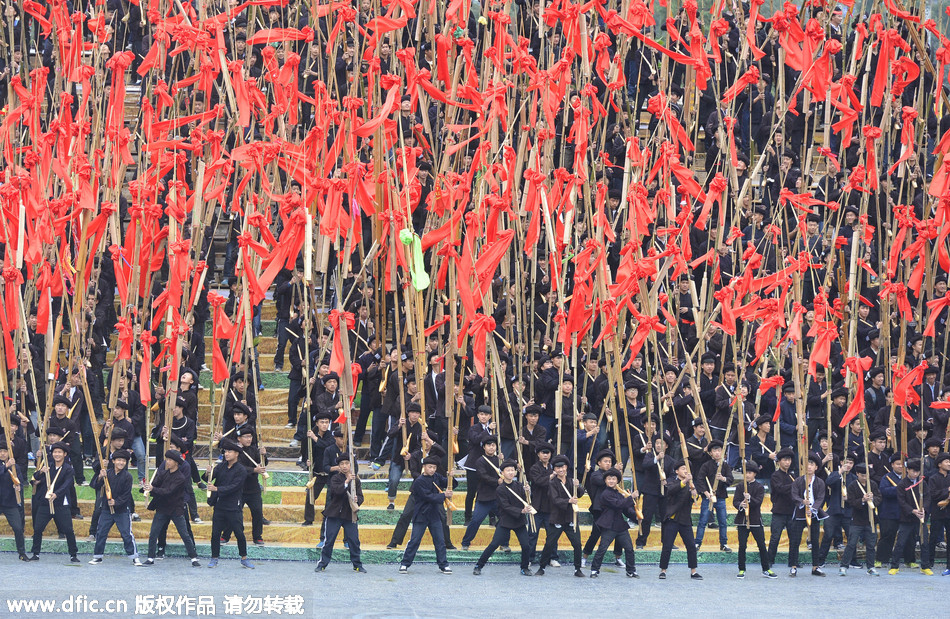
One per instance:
(640, 546)
(593, 573)
(540, 572)
(662, 575)
(73, 559)
(633, 574)
(451, 547)
(816, 571)
(23, 557)
(307, 523)
(477, 571)
(265, 521)
(320, 568)
(148, 563)
(34, 557)
(202, 485)
(160, 553)
(527, 572)
(390, 546)
(695, 576)
(359, 569)
(579, 573)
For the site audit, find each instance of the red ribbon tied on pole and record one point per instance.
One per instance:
(860, 366)
(336, 359)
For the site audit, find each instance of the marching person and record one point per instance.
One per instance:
(11, 497)
(488, 467)
(118, 507)
(564, 494)
(712, 483)
(615, 509)
(780, 491)
(808, 496)
(428, 492)
(863, 503)
(748, 504)
(168, 502)
(680, 496)
(940, 506)
(913, 496)
(226, 495)
(344, 488)
(255, 461)
(513, 508)
(597, 480)
(55, 492)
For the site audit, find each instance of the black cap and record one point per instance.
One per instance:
(244, 431)
(932, 442)
(859, 468)
(241, 407)
(55, 430)
(436, 460)
(752, 467)
(237, 376)
(181, 401)
(331, 376)
(895, 458)
(762, 420)
(698, 421)
(814, 458)
(413, 407)
(941, 457)
(229, 445)
(61, 399)
(548, 447)
(714, 444)
(117, 433)
(839, 392)
(785, 453)
(60, 445)
(123, 454)
(532, 409)
(323, 415)
(568, 378)
(560, 460)
(612, 472)
(338, 433)
(489, 439)
(508, 464)
(175, 456)
(913, 464)
(344, 455)
(122, 404)
(605, 453)
(708, 358)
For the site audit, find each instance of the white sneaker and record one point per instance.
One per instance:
(554, 563)
(294, 444)
(583, 562)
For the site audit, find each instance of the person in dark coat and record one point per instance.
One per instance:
(615, 508)
(712, 483)
(539, 477)
(680, 496)
(428, 496)
(940, 514)
(226, 495)
(780, 490)
(657, 468)
(913, 496)
(596, 485)
(863, 503)
(808, 495)
(10, 497)
(55, 490)
(119, 507)
(563, 494)
(748, 504)
(339, 514)
(513, 509)
(168, 502)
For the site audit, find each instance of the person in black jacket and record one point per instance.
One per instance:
(320, 438)
(512, 511)
(226, 494)
(255, 461)
(489, 472)
(808, 495)
(115, 445)
(863, 504)
(60, 481)
(713, 481)
(680, 495)
(748, 502)
(563, 516)
(10, 497)
(940, 515)
(478, 432)
(119, 512)
(539, 477)
(428, 496)
(597, 483)
(913, 496)
(168, 502)
(657, 468)
(780, 489)
(429, 448)
(339, 514)
(615, 509)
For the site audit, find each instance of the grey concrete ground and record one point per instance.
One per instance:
(424, 592)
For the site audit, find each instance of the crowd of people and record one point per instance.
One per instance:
(656, 255)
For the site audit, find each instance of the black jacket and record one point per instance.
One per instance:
(229, 481)
(121, 487)
(781, 492)
(248, 456)
(679, 501)
(61, 486)
(939, 491)
(615, 509)
(428, 498)
(907, 490)
(859, 510)
(652, 484)
(489, 483)
(559, 496)
(168, 490)
(8, 493)
(338, 497)
(752, 516)
(706, 479)
(510, 514)
(816, 497)
(540, 478)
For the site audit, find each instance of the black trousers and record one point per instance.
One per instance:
(159, 528)
(252, 500)
(351, 535)
(885, 546)
(312, 497)
(670, 530)
(161, 535)
(501, 537)
(402, 526)
(938, 525)
(64, 522)
(620, 539)
(907, 532)
(474, 481)
(15, 519)
(653, 506)
(552, 533)
(758, 534)
(832, 526)
(595, 535)
(795, 530)
(232, 519)
(780, 522)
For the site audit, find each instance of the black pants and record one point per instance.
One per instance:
(868, 536)
(351, 535)
(160, 523)
(233, 519)
(552, 533)
(670, 530)
(161, 536)
(252, 500)
(313, 495)
(620, 539)
(64, 522)
(937, 526)
(402, 526)
(293, 401)
(419, 527)
(780, 522)
(501, 537)
(832, 525)
(595, 535)
(94, 521)
(474, 481)
(906, 534)
(795, 530)
(885, 546)
(15, 518)
(653, 506)
(758, 534)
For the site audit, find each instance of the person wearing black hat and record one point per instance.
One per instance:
(788, 420)
(345, 488)
(69, 430)
(255, 461)
(677, 521)
(808, 495)
(539, 477)
(319, 438)
(748, 500)
(513, 509)
(761, 447)
(329, 401)
(51, 484)
(240, 392)
(725, 394)
(913, 497)
(712, 484)
(119, 507)
(657, 468)
(616, 507)
(596, 485)
(563, 493)
(889, 514)
(428, 497)
(837, 509)
(928, 463)
(532, 435)
(10, 498)
(708, 381)
(874, 350)
(435, 453)
(696, 446)
(863, 496)
(488, 468)
(115, 445)
(854, 442)
(225, 494)
(182, 432)
(406, 437)
(238, 417)
(940, 505)
(482, 428)
(588, 437)
(168, 501)
(780, 492)
(119, 419)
